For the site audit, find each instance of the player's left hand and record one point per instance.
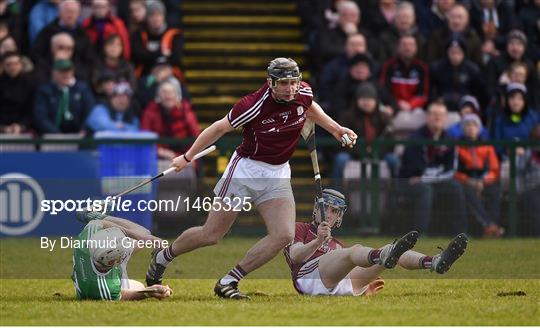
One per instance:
(374, 287)
(349, 140)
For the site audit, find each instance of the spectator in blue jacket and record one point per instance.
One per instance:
(117, 114)
(41, 15)
(428, 170)
(517, 120)
(467, 105)
(62, 105)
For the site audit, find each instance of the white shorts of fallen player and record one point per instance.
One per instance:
(254, 181)
(311, 284)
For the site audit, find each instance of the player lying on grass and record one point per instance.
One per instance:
(100, 264)
(321, 265)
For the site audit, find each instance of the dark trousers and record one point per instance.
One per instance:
(490, 213)
(449, 194)
(530, 205)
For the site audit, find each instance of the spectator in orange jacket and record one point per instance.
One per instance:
(478, 172)
(103, 24)
(170, 116)
(157, 40)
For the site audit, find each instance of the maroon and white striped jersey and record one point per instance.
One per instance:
(271, 129)
(305, 233)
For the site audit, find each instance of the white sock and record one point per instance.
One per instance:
(236, 274)
(164, 257)
(227, 280)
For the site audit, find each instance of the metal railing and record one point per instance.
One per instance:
(372, 157)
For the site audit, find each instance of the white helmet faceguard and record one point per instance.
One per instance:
(283, 69)
(106, 247)
(332, 198)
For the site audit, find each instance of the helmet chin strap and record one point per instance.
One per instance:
(277, 98)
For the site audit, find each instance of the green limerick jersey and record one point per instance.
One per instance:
(89, 282)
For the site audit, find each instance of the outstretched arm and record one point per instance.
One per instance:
(317, 115)
(155, 291)
(205, 139)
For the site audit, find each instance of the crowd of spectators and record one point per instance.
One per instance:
(434, 70)
(80, 67)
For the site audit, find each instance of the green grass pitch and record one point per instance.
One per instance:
(35, 290)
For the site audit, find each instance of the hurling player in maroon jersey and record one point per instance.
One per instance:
(322, 265)
(271, 119)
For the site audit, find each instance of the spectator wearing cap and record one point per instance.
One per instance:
(427, 174)
(344, 91)
(478, 172)
(112, 60)
(516, 46)
(454, 76)
(62, 47)
(170, 116)
(62, 105)
(16, 92)
(369, 119)
(157, 40)
(517, 120)
(467, 105)
(404, 23)
(117, 114)
(407, 77)
(102, 24)
(457, 26)
(338, 68)
(68, 22)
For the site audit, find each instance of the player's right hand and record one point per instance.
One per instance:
(179, 163)
(164, 292)
(323, 231)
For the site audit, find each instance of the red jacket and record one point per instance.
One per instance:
(478, 162)
(179, 123)
(407, 83)
(113, 25)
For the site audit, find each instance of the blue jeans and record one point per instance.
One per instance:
(340, 161)
(489, 214)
